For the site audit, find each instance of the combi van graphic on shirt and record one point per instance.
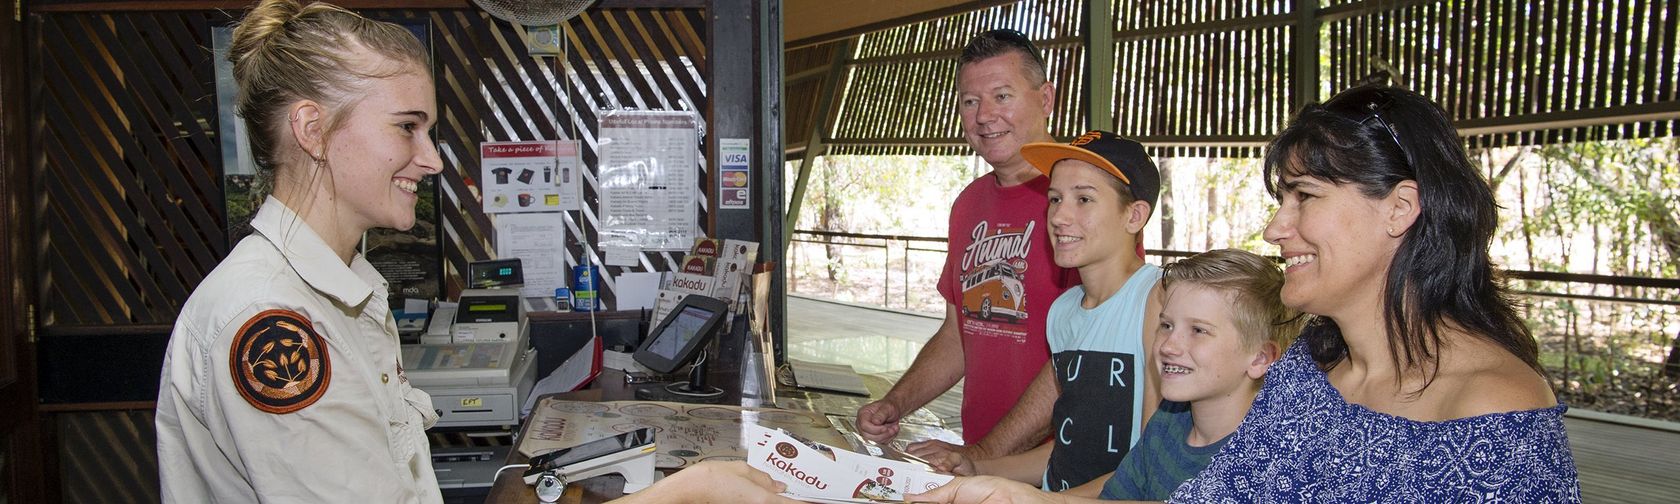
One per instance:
(994, 290)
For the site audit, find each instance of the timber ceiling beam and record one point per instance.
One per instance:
(239, 5)
(811, 22)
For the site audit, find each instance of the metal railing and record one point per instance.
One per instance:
(906, 245)
(1604, 350)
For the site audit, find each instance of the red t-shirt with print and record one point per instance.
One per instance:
(1001, 274)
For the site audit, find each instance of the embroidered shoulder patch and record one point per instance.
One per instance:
(279, 362)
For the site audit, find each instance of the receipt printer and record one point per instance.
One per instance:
(489, 315)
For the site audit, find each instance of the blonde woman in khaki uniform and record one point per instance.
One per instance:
(282, 382)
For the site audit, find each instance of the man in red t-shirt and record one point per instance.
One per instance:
(999, 277)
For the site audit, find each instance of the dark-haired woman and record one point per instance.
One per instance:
(1416, 381)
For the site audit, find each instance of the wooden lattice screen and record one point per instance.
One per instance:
(802, 96)
(108, 456)
(902, 93)
(1201, 78)
(127, 158)
(492, 89)
(1218, 77)
(127, 165)
(1497, 64)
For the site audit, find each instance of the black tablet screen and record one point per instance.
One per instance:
(677, 334)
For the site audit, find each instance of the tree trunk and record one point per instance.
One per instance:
(1516, 159)
(1662, 220)
(826, 223)
(1522, 210)
(1165, 201)
(835, 260)
(1570, 342)
(1656, 213)
(1212, 208)
(1671, 366)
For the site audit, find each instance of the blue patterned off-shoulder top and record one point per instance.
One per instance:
(1301, 442)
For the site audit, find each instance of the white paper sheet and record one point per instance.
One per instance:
(637, 290)
(622, 256)
(539, 241)
(648, 176)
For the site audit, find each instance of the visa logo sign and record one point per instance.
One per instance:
(735, 158)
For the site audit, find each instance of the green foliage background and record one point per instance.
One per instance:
(1603, 208)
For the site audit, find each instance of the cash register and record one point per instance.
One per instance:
(478, 373)
(473, 384)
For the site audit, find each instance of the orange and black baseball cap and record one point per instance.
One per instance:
(1120, 157)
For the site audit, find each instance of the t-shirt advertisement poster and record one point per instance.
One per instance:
(524, 177)
(569, 166)
(648, 179)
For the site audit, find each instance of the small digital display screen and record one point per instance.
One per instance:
(487, 308)
(676, 335)
(488, 278)
(485, 274)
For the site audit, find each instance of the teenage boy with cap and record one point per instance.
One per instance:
(1102, 192)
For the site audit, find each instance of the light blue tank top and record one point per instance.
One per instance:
(1099, 361)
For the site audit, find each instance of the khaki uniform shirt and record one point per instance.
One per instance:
(282, 382)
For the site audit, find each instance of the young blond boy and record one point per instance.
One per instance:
(1221, 325)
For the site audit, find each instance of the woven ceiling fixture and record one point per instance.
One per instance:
(534, 12)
